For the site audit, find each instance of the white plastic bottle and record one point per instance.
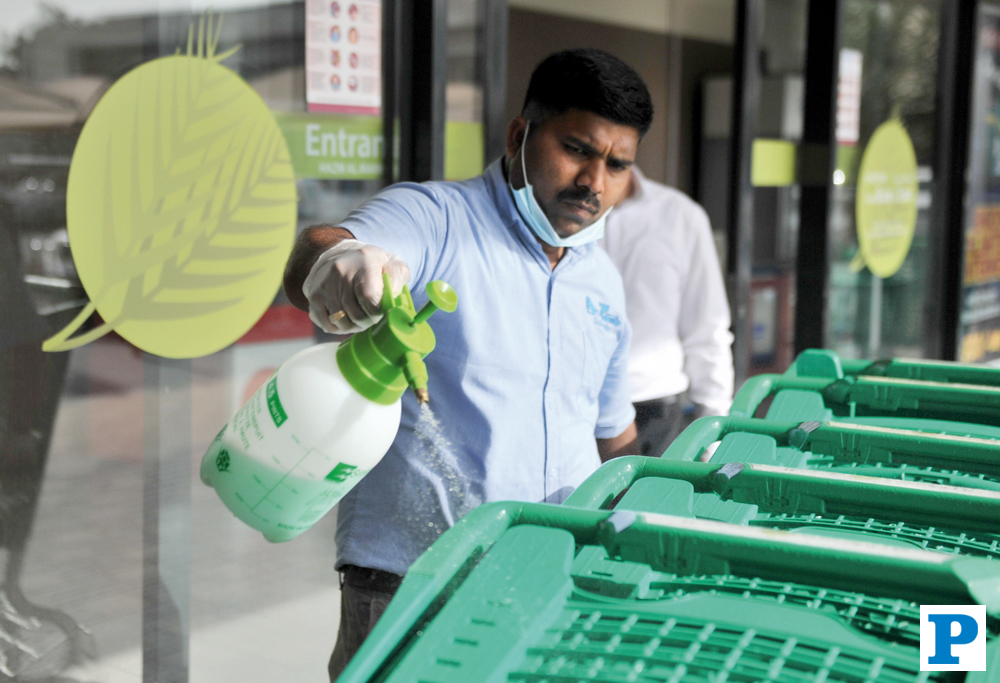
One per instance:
(322, 421)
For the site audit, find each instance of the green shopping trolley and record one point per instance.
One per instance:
(536, 592)
(898, 513)
(824, 363)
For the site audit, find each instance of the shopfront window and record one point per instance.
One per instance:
(882, 295)
(118, 563)
(776, 189)
(776, 193)
(979, 325)
(464, 134)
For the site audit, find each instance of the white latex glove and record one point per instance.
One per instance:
(344, 286)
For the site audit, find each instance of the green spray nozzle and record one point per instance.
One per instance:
(440, 296)
(415, 372)
(383, 360)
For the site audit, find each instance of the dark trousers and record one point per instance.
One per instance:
(364, 595)
(660, 421)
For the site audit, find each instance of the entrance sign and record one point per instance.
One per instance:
(886, 206)
(334, 146)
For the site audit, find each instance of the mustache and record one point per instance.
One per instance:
(580, 195)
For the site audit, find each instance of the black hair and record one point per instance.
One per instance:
(591, 80)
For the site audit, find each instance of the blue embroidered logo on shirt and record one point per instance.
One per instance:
(602, 313)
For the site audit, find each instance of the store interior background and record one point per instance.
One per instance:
(118, 522)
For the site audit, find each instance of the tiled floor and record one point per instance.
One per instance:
(259, 612)
(289, 641)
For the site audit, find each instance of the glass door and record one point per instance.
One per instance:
(118, 564)
(882, 299)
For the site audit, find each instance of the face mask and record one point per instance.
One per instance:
(539, 223)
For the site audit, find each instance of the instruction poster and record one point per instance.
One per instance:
(979, 325)
(344, 56)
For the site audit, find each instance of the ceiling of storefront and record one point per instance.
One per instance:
(703, 19)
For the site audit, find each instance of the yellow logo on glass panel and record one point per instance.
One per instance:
(886, 207)
(181, 207)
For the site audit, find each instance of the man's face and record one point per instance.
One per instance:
(578, 164)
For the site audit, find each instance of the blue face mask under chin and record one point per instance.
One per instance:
(536, 219)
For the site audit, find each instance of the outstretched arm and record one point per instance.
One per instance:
(310, 243)
(339, 279)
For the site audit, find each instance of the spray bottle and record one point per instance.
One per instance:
(323, 419)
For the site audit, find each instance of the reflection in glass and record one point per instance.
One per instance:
(36, 641)
(97, 495)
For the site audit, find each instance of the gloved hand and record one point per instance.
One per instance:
(344, 286)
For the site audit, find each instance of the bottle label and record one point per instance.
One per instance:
(341, 472)
(278, 413)
(275, 480)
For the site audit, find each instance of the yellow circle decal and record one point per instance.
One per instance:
(181, 209)
(886, 207)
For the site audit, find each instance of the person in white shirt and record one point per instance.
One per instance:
(681, 362)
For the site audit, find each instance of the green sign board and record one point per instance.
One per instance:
(334, 146)
(886, 204)
(338, 146)
(181, 210)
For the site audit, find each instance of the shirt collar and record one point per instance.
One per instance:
(497, 185)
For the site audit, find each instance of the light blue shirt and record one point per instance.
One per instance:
(527, 372)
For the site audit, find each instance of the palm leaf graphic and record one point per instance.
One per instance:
(193, 207)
